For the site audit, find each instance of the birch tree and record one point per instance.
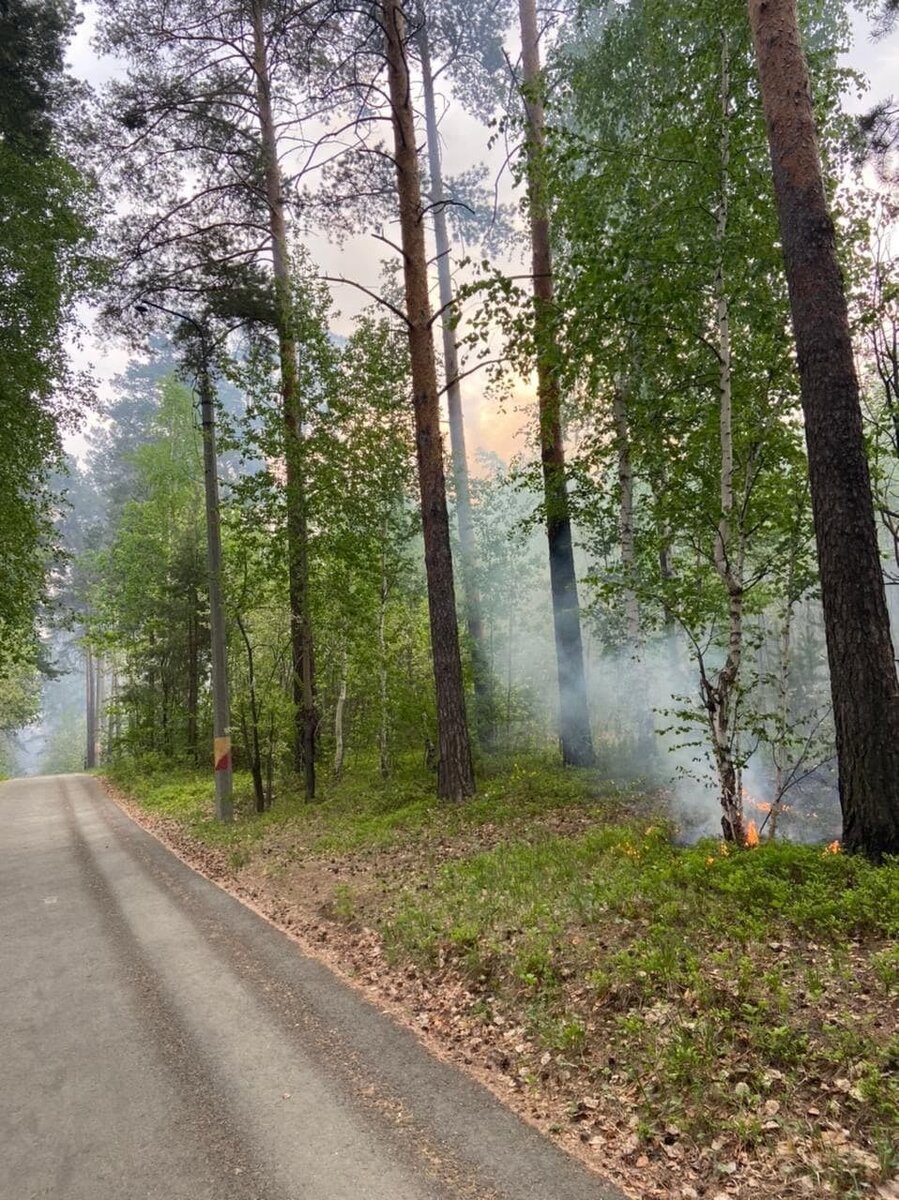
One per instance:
(669, 269)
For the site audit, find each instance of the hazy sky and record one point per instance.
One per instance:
(465, 143)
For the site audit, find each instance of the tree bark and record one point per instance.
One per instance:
(338, 718)
(193, 674)
(383, 714)
(90, 749)
(455, 776)
(297, 533)
(574, 718)
(626, 540)
(730, 543)
(251, 734)
(859, 646)
(221, 702)
(485, 718)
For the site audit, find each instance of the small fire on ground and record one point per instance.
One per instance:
(752, 834)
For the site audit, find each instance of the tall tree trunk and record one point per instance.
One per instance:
(455, 776)
(484, 709)
(297, 531)
(859, 646)
(729, 550)
(574, 718)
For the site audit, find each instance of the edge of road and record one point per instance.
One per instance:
(320, 952)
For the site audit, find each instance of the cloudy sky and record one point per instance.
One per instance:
(465, 142)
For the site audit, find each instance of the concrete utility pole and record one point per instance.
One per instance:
(221, 708)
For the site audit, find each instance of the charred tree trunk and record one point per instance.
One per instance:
(297, 533)
(859, 646)
(484, 714)
(455, 776)
(574, 718)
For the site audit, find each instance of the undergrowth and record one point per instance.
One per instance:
(720, 987)
(735, 1001)
(362, 811)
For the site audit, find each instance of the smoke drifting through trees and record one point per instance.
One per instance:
(657, 332)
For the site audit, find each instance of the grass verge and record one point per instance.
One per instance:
(704, 1021)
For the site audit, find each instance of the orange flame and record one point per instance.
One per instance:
(752, 834)
(833, 848)
(753, 801)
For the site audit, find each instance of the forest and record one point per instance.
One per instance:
(500, 472)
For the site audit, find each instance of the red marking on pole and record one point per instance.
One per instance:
(223, 763)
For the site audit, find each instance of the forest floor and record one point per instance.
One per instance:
(692, 1021)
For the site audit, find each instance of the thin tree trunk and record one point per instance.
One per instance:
(166, 736)
(455, 776)
(90, 747)
(193, 676)
(729, 542)
(338, 717)
(574, 718)
(859, 646)
(112, 708)
(626, 540)
(251, 736)
(100, 703)
(297, 532)
(779, 749)
(484, 715)
(218, 635)
(383, 715)
(640, 706)
(151, 688)
(510, 635)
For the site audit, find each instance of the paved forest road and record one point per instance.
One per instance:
(157, 1039)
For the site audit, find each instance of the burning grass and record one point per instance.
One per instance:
(740, 1006)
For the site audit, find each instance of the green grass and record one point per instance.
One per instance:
(632, 873)
(362, 811)
(720, 993)
(663, 969)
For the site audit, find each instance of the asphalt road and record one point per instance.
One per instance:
(160, 1040)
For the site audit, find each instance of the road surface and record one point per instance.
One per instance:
(160, 1040)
